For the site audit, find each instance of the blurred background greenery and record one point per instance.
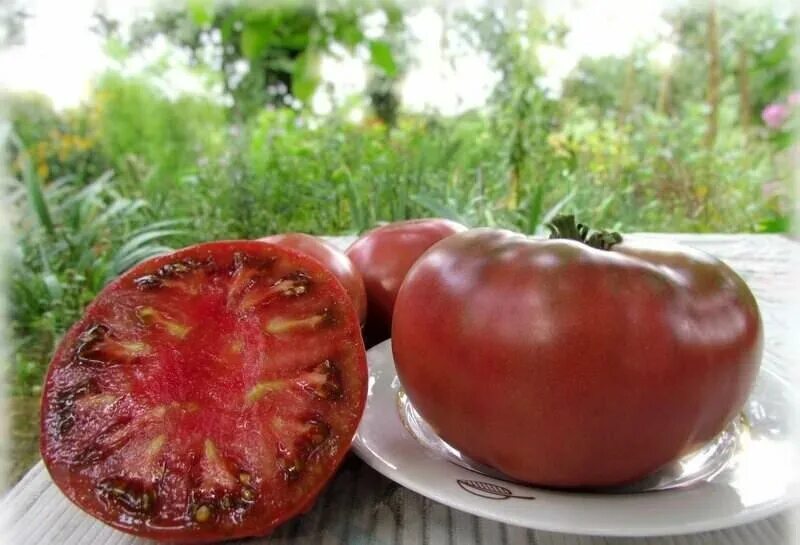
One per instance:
(688, 130)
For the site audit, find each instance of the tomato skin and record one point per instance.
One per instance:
(336, 262)
(564, 365)
(263, 517)
(384, 255)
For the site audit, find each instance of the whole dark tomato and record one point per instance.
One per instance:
(207, 394)
(574, 363)
(335, 261)
(384, 255)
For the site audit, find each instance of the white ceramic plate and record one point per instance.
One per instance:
(750, 472)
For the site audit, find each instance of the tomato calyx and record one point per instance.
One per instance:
(564, 226)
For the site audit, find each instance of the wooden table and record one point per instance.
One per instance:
(362, 507)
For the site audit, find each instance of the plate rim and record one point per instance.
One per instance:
(719, 522)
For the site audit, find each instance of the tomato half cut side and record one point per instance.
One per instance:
(207, 394)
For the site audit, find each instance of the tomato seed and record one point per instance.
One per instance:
(202, 514)
(248, 495)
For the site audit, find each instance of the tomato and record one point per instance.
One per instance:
(207, 394)
(384, 255)
(335, 261)
(566, 364)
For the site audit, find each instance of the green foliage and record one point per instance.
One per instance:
(185, 170)
(78, 238)
(150, 136)
(280, 45)
(381, 55)
(53, 144)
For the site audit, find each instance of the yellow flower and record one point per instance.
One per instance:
(42, 170)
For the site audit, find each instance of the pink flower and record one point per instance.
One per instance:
(794, 98)
(771, 189)
(775, 115)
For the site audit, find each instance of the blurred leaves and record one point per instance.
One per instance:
(201, 11)
(281, 44)
(305, 76)
(381, 55)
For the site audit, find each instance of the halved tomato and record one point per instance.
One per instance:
(207, 394)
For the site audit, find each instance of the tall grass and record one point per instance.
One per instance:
(72, 238)
(199, 178)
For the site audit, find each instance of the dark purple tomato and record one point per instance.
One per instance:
(384, 255)
(564, 364)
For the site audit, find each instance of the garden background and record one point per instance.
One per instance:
(690, 128)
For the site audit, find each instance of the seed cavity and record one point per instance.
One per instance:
(132, 496)
(152, 317)
(323, 381)
(86, 348)
(97, 345)
(318, 432)
(64, 404)
(292, 285)
(114, 435)
(215, 471)
(310, 435)
(246, 273)
(280, 325)
(292, 469)
(148, 281)
(168, 274)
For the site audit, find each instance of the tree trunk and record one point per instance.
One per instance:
(626, 101)
(714, 75)
(743, 78)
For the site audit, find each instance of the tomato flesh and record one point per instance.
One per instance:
(334, 260)
(206, 395)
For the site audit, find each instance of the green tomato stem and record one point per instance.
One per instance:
(564, 226)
